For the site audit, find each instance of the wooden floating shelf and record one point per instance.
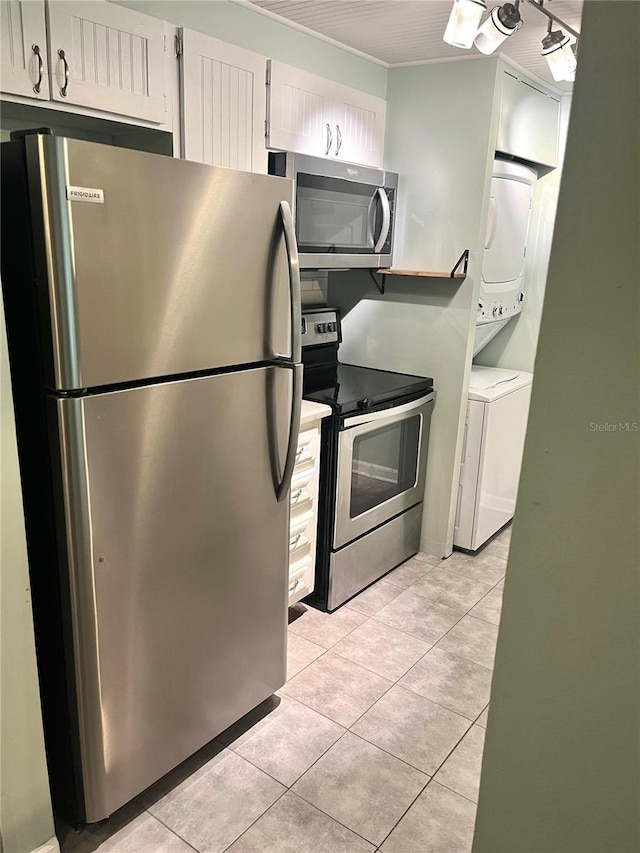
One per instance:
(421, 273)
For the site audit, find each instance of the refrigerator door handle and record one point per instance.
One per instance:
(294, 281)
(294, 429)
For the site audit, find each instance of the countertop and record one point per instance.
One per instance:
(313, 412)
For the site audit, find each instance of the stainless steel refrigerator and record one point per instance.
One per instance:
(153, 319)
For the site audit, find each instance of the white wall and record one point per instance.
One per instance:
(515, 345)
(248, 28)
(441, 126)
(561, 770)
(26, 821)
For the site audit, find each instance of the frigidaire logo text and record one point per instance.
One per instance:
(90, 194)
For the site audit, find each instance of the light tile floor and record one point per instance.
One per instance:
(374, 743)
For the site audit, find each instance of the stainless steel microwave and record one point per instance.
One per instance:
(344, 213)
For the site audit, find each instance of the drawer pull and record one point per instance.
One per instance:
(293, 542)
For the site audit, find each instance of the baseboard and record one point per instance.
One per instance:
(51, 846)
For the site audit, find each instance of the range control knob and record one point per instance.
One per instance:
(495, 311)
(321, 328)
(521, 297)
(501, 310)
(365, 403)
(331, 327)
(480, 304)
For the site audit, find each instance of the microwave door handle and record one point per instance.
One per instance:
(294, 430)
(386, 219)
(293, 262)
(371, 221)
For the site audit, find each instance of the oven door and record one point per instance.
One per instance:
(382, 458)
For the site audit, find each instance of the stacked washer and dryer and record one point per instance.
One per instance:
(498, 404)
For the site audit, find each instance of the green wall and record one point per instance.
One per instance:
(426, 326)
(562, 759)
(26, 822)
(237, 24)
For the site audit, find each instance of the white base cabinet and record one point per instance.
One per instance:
(312, 115)
(223, 101)
(304, 503)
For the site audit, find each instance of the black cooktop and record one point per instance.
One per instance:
(348, 388)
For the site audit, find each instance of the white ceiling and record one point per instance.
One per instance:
(401, 31)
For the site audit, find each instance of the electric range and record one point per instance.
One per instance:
(373, 462)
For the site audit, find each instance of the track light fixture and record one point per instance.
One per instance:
(556, 49)
(463, 30)
(503, 22)
(463, 22)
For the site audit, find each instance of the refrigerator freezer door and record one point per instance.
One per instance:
(178, 551)
(156, 266)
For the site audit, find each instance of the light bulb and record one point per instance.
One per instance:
(463, 22)
(501, 23)
(557, 51)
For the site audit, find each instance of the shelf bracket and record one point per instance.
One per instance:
(379, 284)
(464, 260)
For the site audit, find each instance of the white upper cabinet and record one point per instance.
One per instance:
(23, 45)
(529, 121)
(359, 126)
(312, 115)
(223, 98)
(107, 58)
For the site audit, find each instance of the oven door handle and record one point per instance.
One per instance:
(386, 219)
(386, 414)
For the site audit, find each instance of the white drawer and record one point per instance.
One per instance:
(300, 578)
(299, 547)
(301, 479)
(301, 518)
(306, 437)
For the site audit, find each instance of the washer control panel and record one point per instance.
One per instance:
(499, 308)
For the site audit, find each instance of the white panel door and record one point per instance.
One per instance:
(224, 109)
(505, 428)
(358, 120)
(23, 46)
(507, 230)
(107, 58)
(529, 122)
(300, 111)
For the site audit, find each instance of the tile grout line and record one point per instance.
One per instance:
(171, 831)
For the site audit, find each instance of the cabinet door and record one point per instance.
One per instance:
(223, 99)
(358, 120)
(300, 111)
(529, 121)
(112, 59)
(22, 37)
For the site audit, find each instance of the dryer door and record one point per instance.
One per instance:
(507, 231)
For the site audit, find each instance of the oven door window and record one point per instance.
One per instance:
(384, 464)
(335, 215)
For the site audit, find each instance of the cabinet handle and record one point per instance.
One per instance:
(36, 49)
(296, 497)
(63, 57)
(329, 139)
(294, 541)
(338, 140)
(293, 586)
